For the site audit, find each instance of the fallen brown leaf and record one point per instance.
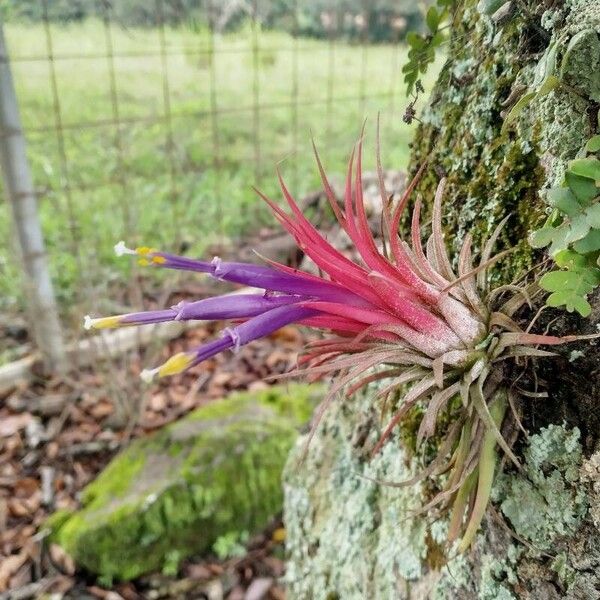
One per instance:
(200, 571)
(276, 593)
(61, 560)
(17, 507)
(99, 592)
(26, 487)
(259, 588)
(9, 566)
(21, 577)
(101, 409)
(14, 423)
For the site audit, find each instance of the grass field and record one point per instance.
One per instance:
(113, 172)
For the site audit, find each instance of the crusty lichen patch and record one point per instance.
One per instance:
(175, 492)
(349, 537)
(547, 502)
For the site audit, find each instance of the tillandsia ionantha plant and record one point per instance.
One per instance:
(403, 315)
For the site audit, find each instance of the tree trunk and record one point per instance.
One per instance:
(350, 538)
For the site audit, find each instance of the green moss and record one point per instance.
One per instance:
(564, 570)
(409, 427)
(57, 519)
(489, 177)
(116, 478)
(174, 493)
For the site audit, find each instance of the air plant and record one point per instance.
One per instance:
(405, 317)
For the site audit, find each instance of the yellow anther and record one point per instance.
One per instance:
(102, 323)
(176, 364)
(159, 260)
(144, 250)
(143, 262)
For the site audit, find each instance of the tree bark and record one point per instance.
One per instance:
(350, 538)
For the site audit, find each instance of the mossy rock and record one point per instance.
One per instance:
(175, 492)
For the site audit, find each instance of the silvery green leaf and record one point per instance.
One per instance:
(584, 189)
(593, 144)
(590, 243)
(563, 199)
(579, 228)
(593, 215)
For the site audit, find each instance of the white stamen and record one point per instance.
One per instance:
(148, 375)
(88, 322)
(121, 249)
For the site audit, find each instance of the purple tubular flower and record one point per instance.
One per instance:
(247, 274)
(234, 337)
(220, 308)
(238, 306)
(145, 318)
(268, 279)
(267, 323)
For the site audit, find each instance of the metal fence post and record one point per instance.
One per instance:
(20, 194)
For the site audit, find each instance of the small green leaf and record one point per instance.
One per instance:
(545, 67)
(570, 302)
(593, 215)
(437, 40)
(559, 242)
(489, 7)
(558, 280)
(567, 259)
(593, 144)
(583, 188)
(548, 85)
(563, 199)
(586, 167)
(590, 243)
(578, 229)
(542, 237)
(433, 19)
(570, 288)
(414, 40)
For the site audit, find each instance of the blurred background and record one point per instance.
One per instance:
(150, 121)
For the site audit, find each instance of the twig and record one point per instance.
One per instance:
(90, 447)
(47, 476)
(31, 590)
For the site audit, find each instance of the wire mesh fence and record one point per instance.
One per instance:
(156, 134)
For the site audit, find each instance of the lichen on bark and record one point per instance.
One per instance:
(349, 538)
